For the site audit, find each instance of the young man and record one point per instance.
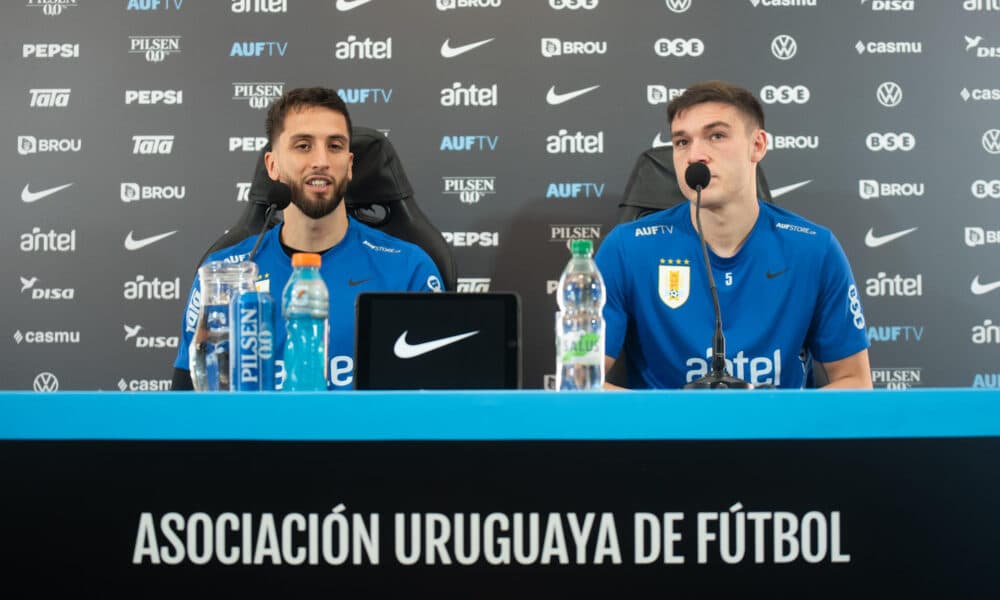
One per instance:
(785, 286)
(310, 130)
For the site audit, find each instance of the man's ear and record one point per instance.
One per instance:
(271, 164)
(758, 146)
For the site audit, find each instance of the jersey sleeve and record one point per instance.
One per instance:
(425, 277)
(838, 324)
(188, 322)
(611, 264)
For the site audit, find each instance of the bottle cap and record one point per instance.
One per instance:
(578, 247)
(306, 259)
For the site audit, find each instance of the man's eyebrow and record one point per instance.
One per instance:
(711, 125)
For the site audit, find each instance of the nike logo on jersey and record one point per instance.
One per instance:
(771, 275)
(983, 288)
(874, 241)
(28, 196)
(134, 244)
(404, 349)
(778, 192)
(354, 282)
(554, 98)
(346, 5)
(448, 52)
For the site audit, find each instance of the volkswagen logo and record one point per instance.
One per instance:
(784, 47)
(679, 6)
(991, 141)
(889, 94)
(45, 382)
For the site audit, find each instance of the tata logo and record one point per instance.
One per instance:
(152, 144)
(565, 233)
(468, 239)
(133, 192)
(48, 241)
(661, 94)
(153, 97)
(981, 5)
(367, 49)
(991, 141)
(141, 288)
(259, 6)
(987, 333)
(40, 293)
(469, 143)
(29, 144)
(247, 144)
(555, 47)
(443, 5)
(154, 48)
(573, 4)
(890, 142)
(365, 95)
(471, 95)
(144, 385)
(679, 47)
(473, 285)
(45, 382)
(574, 190)
(978, 236)
(983, 189)
(891, 5)
(889, 94)
(48, 97)
(149, 341)
(896, 379)
(869, 189)
(243, 191)
(980, 94)
(889, 47)
(470, 190)
(679, 6)
(895, 333)
(50, 51)
(784, 94)
(883, 285)
(784, 47)
(52, 8)
(150, 5)
(258, 49)
(792, 142)
(565, 142)
(259, 94)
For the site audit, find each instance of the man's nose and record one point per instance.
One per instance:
(318, 159)
(697, 152)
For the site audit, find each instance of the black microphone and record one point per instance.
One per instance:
(276, 196)
(697, 177)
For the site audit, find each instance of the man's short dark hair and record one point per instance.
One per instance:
(718, 91)
(301, 98)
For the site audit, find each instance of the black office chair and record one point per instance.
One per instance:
(379, 195)
(651, 187)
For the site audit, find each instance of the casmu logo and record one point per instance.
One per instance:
(874, 241)
(133, 244)
(27, 196)
(983, 288)
(980, 94)
(155, 48)
(448, 52)
(405, 350)
(782, 3)
(555, 99)
(889, 47)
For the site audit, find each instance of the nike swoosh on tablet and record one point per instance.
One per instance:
(346, 5)
(404, 349)
(29, 196)
(776, 192)
(874, 241)
(659, 143)
(554, 98)
(983, 288)
(133, 244)
(448, 52)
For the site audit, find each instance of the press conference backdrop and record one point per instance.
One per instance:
(130, 129)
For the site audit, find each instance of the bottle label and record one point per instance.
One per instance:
(582, 347)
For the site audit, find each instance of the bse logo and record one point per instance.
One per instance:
(364, 95)
(260, 94)
(784, 94)
(556, 47)
(889, 47)
(50, 51)
(247, 144)
(473, 95)
(133, 192)
(28, 284)
(980, 94)
(977, 236)
(155, 48)
(896, 379)
(367, 49)
(890, 142)
(854, 305)
(149, 5)
(470, 190)
(468, 239)
(870, 188)
(991, 141)
(45, 382)
(784, 47)
(564, 142)
(48, 97)
(679, 47)
(259, 6)
(443, 5)
(52, 8)
(149, 341)
(889, 94)
(29, 144)
(661, 94)
(573, 4)
(983, 189)
(681, 6)
(152, 97)
(473, 285)
(152, 144)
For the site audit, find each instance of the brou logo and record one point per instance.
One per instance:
(556, 47)
(473, 95)
(152, 144)
(977, 236)
(259, 94)
(575, 190)
(133, 192)
(679, 47)
(661, 94)
(257, 49)
(870, 188)
(259, 6)
(468, 143)
(149, 5)
(40, 293)
(29, 144)
(48, 97)
(576, 143)
(367, 49)
(470, 190)
(784, 47)
(364, 95)
(453, 4)
(792, 142)
(155, 48)
(52, 8)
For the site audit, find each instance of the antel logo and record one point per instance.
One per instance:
(255, 49)
(883, 285)
(991, 141)
(45, 382)
(155, 48)
(150, 5)
(364, 95)
(889, 94)
(29, 144)
(367, 49)
(472, 95)
(681, 6)
(149, 341)
(890, 142)
(152, 144)
(470, 190)
(784, 94)
(468, 239)
(983, 189)
(258, 94)
(556, 47)
(247, 144)
(870, 188)
(48, 97)
(889, 47)
(468, 143)
(987, 333)
(574, 4)
(259, 6)
(51, 241)
(473, 285)
(891, 5)
(792, 142)
(134, 192)
(40, 293)
(679, 47)
(784, 47)
(52, 8)
(972, 43)
(453, 4)
(981, 5)
(896, 378)
(50, 50)
(661, 94)
(977, 236)
(153, 97)
(980, 94)
(154, 289)
(564, 142)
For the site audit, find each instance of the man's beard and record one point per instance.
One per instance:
(317, 209)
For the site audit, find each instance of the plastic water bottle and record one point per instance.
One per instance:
(580, 322)
(305, 304)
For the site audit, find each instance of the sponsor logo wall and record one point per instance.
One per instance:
(518, 135)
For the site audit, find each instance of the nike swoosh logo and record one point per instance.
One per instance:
(29, 196)
(777, 192)
(354, 282)
(346, 5)
(133, 244)
(448, 52)
(659, 143)
(771, 275)
(983, 288)
(404, 350)
(874, 241)
(554, 98)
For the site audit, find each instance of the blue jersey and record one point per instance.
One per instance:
(366, 260)
(787, 296)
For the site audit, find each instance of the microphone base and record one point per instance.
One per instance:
(718, 381)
